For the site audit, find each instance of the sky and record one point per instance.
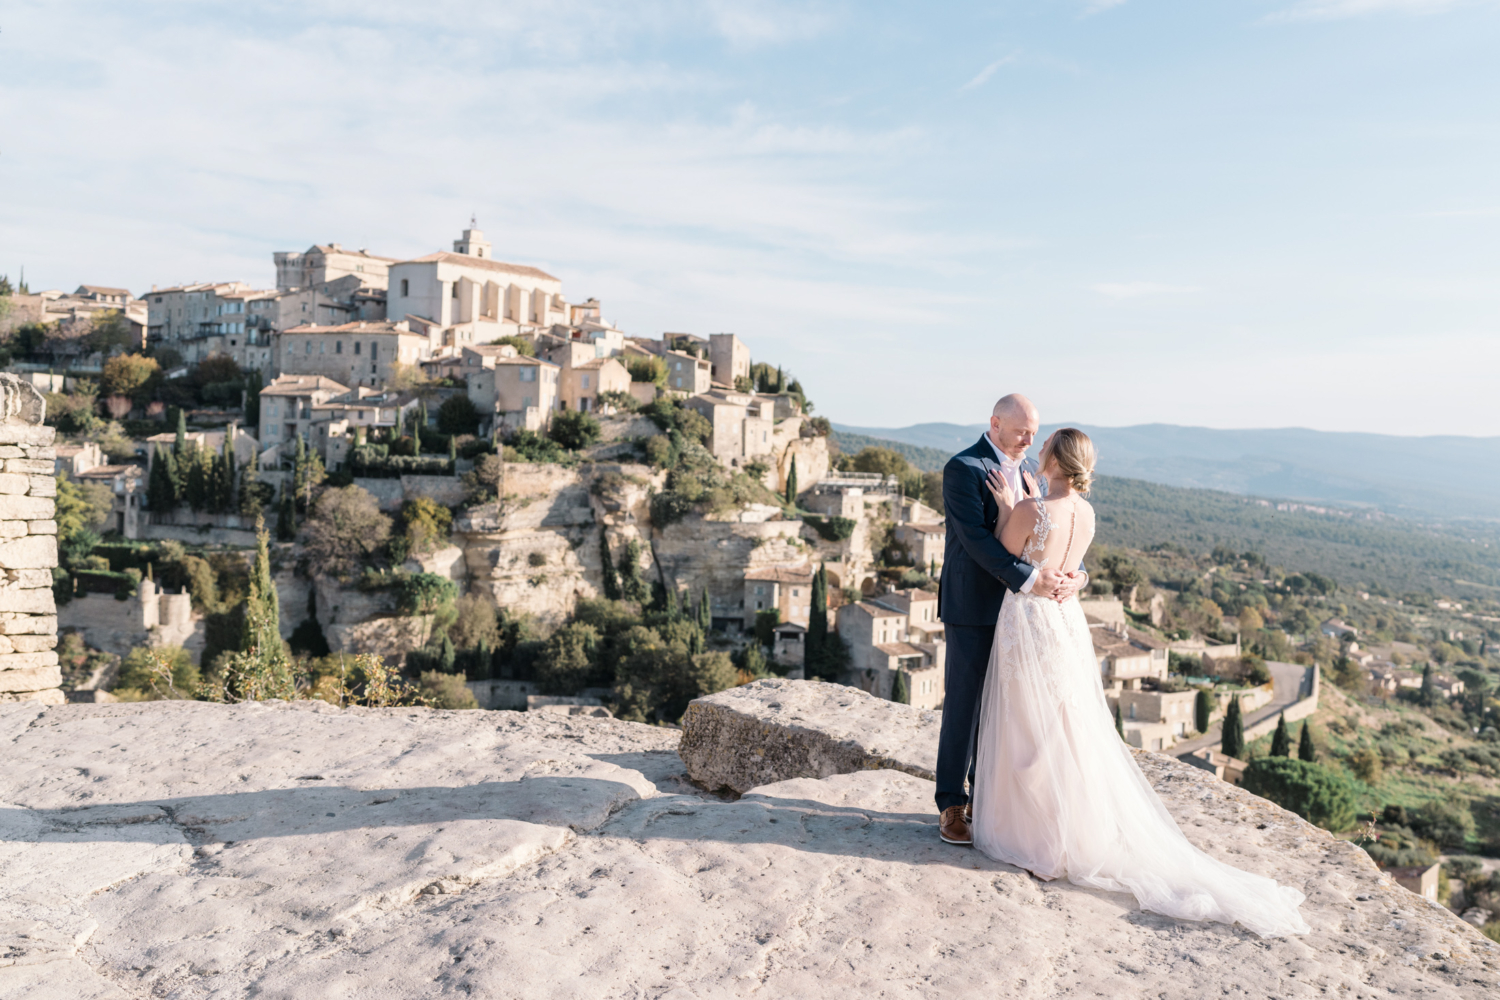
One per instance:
(1239, 213)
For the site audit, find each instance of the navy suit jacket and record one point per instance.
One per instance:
(977, 569)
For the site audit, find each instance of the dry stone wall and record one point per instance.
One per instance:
(28, 547)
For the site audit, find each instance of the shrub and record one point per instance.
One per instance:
(669, 507)
(574, 429)
(567, 659)
(446, 691)
(346, 528)
(1448, 822)
(423, 593)
(834, 529)
(162, 673)
(1366, 765)
(1310, 790)
(528, 446)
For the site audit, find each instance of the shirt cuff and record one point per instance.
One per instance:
(1030, 580)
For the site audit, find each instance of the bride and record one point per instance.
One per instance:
(1056, 791)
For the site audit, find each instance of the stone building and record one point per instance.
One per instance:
(326, 263)
(127, 486)
(687, 374)
(513, 391)
(351, 354)
(150, 618)
(785, 590)
(743, 424)
(28, 547)
(473, 298)
(286, 411)
(924, 542)
(583, 375)
(882, 642)
(200, 320)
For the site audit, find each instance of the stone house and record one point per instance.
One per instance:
(338, 421)
(1420, 879)
(728, 359)
(472, 297)
(687, 374)
(789, 647)
(1142, 710)
(920, 609)
(127, 484)
(1223, 766)
(787, 590)
(743, 425)
(351, 354)
(1127, 656)
(198, 320)
(924, 542)
(583, 375)
(881, 642)
(286, 410)
(76, 459)
(513, 391)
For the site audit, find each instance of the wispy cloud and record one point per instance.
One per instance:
(1337, 10)
(1139, 289)
(986, 73)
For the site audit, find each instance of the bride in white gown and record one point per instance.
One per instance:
(1056, 791)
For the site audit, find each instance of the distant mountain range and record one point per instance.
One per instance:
(1444, 477)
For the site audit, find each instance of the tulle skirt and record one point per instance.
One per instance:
(1057, 792)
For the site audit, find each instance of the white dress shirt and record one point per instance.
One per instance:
(1010, 470)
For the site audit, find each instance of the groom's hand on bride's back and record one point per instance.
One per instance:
(1057, 586)
(1070, 585)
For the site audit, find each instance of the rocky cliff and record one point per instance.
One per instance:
(190, 850)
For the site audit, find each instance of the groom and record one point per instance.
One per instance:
(977, 571)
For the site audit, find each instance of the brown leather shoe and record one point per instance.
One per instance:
(969, 812)
(953, 827)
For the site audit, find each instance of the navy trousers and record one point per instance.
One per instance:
(968, 662)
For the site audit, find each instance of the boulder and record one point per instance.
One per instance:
(775, 730)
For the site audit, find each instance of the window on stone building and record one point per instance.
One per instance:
(405, 287)
(356, 347)
(338, 347)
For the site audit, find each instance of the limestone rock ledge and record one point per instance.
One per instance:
(187, 850)
(774, 730)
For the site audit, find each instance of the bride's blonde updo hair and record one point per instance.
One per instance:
(1073, 453)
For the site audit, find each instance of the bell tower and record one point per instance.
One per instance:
(473, 242)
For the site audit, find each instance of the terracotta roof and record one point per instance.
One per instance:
(900, 649)
(110, 471)
(360, 326)
(444, 257)
(875, 610)
(778, 574)
(299, 385)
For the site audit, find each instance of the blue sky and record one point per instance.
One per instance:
(1240, 213)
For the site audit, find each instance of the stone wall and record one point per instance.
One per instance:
(28, 547)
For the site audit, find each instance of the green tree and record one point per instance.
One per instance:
(1281, 743)
(446, 690)
(817, 621)
(1203, 706)
(196, 491)
(1233, 741)
(1119, 721)
(567, 659)
(1425, 694)
(791, 484)
(251, 502)
(900, 691)
(765, 627)
(179, 446)
(161, 490)
(574, 429)
(286, 517)
(160, 673)
(1310, 790)
(632, 586)
(1305, 749)
(607, 562)
(262, 603)
(458, 415)
(705, 613)
(648, 369)
(127, 374)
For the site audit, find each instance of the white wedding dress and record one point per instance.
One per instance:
(1056, 790)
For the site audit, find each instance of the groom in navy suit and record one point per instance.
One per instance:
(977, 572)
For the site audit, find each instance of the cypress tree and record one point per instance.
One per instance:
(180, 445)
(249, 498)
(705, 613)
(671, 603)
(1305, 749)
(900, 692)
(1425, 694)
(817, 621)
(1203, 707)
(1233, 742)
(448, 657)
(286, 518)
(607, 564)
(197, 478)
(1281, 743)
(791, 483)
(228, 500)
(400, 423)
(160, 492)
(262, 627)
(1119, 721)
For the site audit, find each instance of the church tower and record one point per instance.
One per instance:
(473, 243)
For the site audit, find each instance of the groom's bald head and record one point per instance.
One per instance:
(1013, 425)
